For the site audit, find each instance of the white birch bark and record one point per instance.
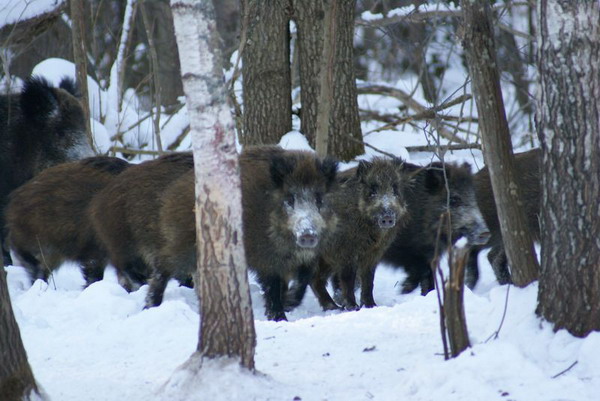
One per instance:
(226, 327)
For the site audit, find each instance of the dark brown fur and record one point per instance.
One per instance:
(365, 196)
(427, 199)
(125, 215)
(270, 178)
(176, 256)
(47, 217)
(40, 127)
(527, 165)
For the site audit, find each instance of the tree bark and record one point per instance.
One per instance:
(16, 378)
(80, 59)
(227, 324)
(478, 41)
(158, 22)
(454, 307)
(568, 117)
(345, 136)
(266, 70)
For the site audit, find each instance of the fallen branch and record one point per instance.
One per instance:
(420, 16)
(413, 104)
(121, 149)
(444, 148)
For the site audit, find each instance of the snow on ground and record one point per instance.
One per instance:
(100, 344)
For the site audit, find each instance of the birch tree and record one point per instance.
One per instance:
(568, 39)
(227, 324)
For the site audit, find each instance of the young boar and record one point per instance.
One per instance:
(125, 215)
(527, 165)
(40, 127)
(47, 217)
(370, 206)
(427, 199)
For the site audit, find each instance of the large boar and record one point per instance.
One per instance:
(286, 214)
(125, 215)
(47, 217)
(40, 127)
(527, 165)
(427, 199)
(370, 206)
(284, 218)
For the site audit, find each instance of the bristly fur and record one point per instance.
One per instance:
(427, 199)
(363, 197)
(271, 180)
(40, 127)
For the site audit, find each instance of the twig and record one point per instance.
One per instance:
(497, 332)
(566, 370)
(383, 152)
(410, 102)
(444, 148)
(435, 269)
(121, 149)
(179, 138)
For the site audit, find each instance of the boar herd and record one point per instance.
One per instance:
(305, 224)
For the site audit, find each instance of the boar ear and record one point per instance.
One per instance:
(434, 179)
(329, 169)
(363, 167)
(280, 167)
(38, 100)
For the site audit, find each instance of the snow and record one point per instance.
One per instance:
(110, 348)
(12, 11)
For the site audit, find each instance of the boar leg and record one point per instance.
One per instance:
(367, 276)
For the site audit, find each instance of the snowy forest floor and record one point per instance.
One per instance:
(100, 344)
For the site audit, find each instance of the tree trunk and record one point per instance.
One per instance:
(478, 42)
(16, 378)
(345, 137)
(454, 307)
(227, 324)
(80, 58)
(158, 21)
(266, 70)
(568, 38)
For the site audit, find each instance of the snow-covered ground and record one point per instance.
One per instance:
(100, 344)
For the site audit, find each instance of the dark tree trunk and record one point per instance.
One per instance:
(162, 38)
(569, 130)
(227, 323)
(16, 378)
(478, 42)
(80, 59)
(454, 307)
(266, 71)
(345, 137)
(228, 24)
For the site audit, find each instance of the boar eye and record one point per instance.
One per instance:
(373, 190)
(289, 200)
(395, 189)
(454, 201)
(319, 199)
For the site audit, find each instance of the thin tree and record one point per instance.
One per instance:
(266, 70)
(568, 118)
(478, 42)
(345, 136)
(80, 58)
(227, 324)
(16, 378)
